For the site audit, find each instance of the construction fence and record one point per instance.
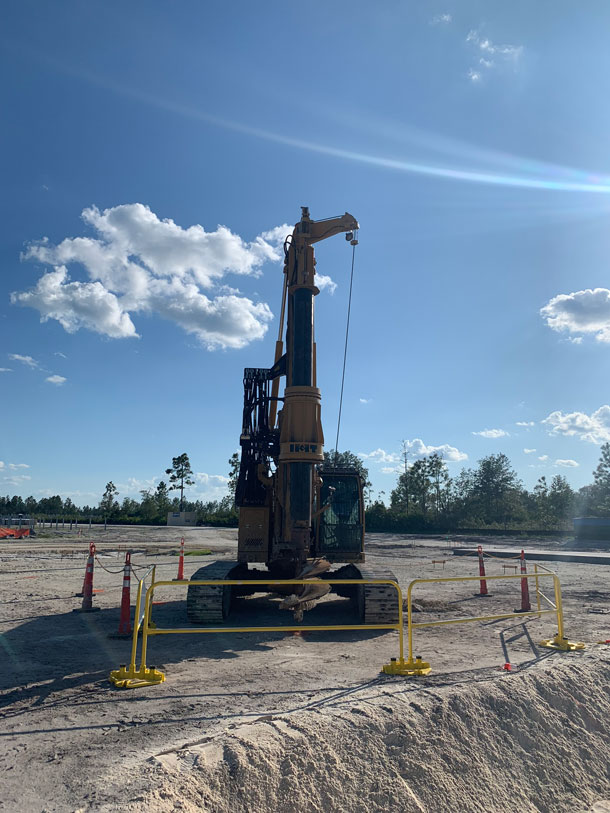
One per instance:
(132, 676)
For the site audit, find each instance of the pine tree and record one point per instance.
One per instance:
(108, 504)
(180, 476)
(561, 499)
(601, 483)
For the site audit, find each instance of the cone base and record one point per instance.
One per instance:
(406, 668)
(130, 678)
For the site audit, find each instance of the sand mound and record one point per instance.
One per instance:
(536, 741)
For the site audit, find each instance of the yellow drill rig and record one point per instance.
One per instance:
(297, 517)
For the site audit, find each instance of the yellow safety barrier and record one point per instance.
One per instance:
(559, 642)
(132, 678)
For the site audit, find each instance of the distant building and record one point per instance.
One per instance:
(182, 518)
(592, 528)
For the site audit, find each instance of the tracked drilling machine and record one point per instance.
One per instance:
(297, 517)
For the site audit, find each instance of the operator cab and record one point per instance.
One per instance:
(339, 528)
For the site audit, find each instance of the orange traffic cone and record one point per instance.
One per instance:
(180, 575)
(525, 590)
(87, 592)
(125, 628)
(483, 588)
(89, 562)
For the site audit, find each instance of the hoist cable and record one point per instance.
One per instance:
(349, 309)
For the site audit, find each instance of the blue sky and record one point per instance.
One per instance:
(151, 153)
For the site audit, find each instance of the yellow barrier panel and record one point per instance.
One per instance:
(559, 642)
(133, 678)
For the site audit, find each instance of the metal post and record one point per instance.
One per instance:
(410, 626)
(136, 627)
(400, 623)
(559, 606)
(147, 607)
(537, 589)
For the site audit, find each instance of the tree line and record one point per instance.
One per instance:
(151, 509)
(490, 496)
(425, 498)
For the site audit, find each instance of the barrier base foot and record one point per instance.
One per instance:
(86, 610)
(407, 668)
(131, 678)
(562, 644)
(523, 610)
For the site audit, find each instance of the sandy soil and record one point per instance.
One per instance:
(277, 722)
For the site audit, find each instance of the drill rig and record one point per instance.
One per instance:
(297, 517)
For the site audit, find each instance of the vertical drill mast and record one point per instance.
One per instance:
(301, 437)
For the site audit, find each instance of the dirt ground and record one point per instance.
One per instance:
(242, 714)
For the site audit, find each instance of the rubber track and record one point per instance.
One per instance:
(204, 604)
(380, 600)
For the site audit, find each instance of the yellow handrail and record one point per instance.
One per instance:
(144, 676)
(558, 642)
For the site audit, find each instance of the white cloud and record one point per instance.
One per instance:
(207, 487)
(492, 433)
(139, 263)
(58, 380)
(450, 454)
(210, 486)
(365, 400)
(5, 370)
(568, 464)
(61, 355)
(484, 49)
(585, 311)
(27, 360)
(16, 479)
(325, 282)
(543, 458)
(15, 466)
(133, 486)
(277, 235)
(594, 428)
(77, 305)
(529, 451)
(509, 52)
(416, 449)
(380, 456)
(441, 19)
(525, 423)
